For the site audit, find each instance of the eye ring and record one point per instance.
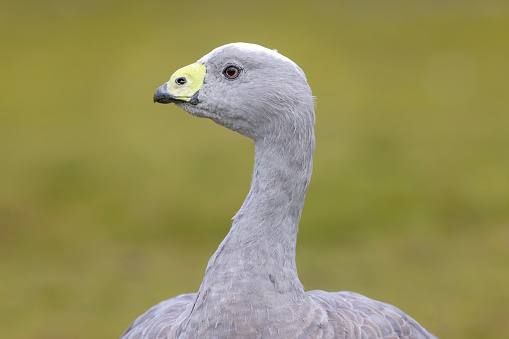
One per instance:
(231, 72)
(181, 81)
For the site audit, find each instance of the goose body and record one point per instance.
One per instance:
(251, 288)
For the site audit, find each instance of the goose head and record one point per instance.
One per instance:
(247, 88)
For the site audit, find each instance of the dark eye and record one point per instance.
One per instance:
(180, 81)
(231, 72)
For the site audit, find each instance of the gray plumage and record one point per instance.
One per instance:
(251, 288)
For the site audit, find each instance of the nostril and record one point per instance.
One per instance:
(180, 81)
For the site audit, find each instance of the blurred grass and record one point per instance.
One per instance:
(109, 204)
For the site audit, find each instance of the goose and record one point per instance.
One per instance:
(251, 288)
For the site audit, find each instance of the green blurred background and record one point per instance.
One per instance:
(110, 204)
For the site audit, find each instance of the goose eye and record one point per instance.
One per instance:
(231, 72)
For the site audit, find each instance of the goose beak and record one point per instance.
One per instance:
(183, 85)
(163, 96)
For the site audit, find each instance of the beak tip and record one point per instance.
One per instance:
(162, 95)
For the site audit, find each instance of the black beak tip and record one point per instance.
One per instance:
(162, 96)
(162, 100)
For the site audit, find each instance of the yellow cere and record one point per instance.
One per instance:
(185, 82)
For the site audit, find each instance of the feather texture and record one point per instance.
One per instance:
(251, 288)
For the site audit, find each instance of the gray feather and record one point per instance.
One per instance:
(251, 288)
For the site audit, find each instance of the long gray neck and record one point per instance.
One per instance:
(254, 270)
(259, 251)
(267, 224)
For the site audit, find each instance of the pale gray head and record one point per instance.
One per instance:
(245, 87)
